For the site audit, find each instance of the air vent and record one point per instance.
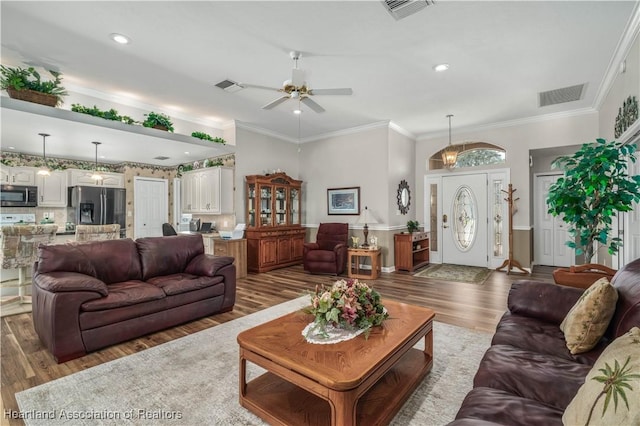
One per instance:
(559, 96)
(402, 8)
(160, 157)
(229, 86)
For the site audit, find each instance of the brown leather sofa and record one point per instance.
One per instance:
(528, 376)
(87, 296)
(328, 255)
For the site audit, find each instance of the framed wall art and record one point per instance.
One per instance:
(343, 201)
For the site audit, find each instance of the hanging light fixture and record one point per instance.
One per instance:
(44, 171)
(96, 176)
(450, 154)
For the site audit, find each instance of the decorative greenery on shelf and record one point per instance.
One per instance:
(112, 114)
(595, 186)
(158, 119)
(29, 79)
(412, 226)
(207, 137)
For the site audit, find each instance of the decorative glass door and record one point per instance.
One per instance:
(294, 210)
(281, 206)
(266, 205)
(251, 204)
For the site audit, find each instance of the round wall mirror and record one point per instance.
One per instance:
(404, 197)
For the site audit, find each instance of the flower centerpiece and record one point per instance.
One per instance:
(347, 309)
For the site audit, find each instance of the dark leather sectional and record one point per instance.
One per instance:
(87, 296)
(528, 376)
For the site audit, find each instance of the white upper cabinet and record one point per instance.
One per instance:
(208, 191)
(19, 175)
(52, 189)
(83, 178)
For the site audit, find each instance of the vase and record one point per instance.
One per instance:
(582, 276)
(33, 96)
(160, 127)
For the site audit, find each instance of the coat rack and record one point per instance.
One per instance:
(511, 262)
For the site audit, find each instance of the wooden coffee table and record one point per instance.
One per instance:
(360, 381)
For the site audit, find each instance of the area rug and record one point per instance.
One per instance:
(459, 273)
(194, 381)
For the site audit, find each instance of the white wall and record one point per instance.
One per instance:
(401, 166)
(257, 154)
(517, 140)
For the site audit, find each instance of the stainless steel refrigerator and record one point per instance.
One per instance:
(94, 205)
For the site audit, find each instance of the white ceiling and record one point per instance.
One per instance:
(501, 54)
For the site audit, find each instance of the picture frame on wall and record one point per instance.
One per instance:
(343, 201)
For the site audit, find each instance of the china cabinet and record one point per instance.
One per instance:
(275, 236)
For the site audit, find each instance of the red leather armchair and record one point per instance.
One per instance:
(328, 255)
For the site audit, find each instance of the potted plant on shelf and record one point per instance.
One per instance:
(27, 85)
(412, 226)
(112, 114)
(158, 121)
(207, 137)
(595, 186)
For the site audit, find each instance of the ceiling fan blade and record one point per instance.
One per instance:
(344, 91)
(256, 86)
(312, 104)
(275, 103)
(297, 77)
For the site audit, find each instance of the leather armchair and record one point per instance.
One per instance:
(328, 255)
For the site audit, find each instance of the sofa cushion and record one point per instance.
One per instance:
(542, 337)
(125, 294)
(321, 256)
(168, 255)
(498, 406)
(587, 321)
(110, 261)
(182, 283)
(603, 401)
(547, 379)
(627, 315)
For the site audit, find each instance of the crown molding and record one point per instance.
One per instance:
(622, 51)
(511, 123)
(262, 131)
(401, 130)
(349, 131)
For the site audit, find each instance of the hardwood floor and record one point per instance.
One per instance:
(25, 363)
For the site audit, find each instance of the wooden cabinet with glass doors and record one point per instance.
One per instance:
(275, 236)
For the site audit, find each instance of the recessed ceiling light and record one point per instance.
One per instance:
(297, 111)
(441, 67)
(186, 152)
(119, 38)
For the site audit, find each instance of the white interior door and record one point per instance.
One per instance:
(551, 233)
(464, 220)
(631, 228)
(151, 206)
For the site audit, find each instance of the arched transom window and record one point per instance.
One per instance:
(471, 154)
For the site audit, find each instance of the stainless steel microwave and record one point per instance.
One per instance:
(18, 196)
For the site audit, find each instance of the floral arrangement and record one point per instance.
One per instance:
(348, 304)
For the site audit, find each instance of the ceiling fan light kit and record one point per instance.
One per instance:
(295, 88)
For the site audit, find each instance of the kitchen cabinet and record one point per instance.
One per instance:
(275, 236)
(234, 248)
(411, 251)
(208, 191)
(83, 178)
(18, 175)
(52, 189)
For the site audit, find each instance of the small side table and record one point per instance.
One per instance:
(354, 270)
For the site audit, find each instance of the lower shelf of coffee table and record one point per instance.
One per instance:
(280, 402)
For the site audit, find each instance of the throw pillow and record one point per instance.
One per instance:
(611, 390)
(588, 319)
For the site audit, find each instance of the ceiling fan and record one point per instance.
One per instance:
(296, 88)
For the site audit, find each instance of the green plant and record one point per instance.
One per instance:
(412, 226)
(594, 187)
(158, 119)
(112, 114)
(207, 137)
(29, 79)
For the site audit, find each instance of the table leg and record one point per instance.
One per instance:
(242, 375)
(343, 407)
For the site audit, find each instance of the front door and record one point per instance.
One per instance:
(464, 220)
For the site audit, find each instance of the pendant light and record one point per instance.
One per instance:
(96, 176)
(44, 171)
(450, 154)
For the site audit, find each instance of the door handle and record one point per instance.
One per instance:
(444, 226)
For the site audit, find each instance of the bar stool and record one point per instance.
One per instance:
(19, 245)
(97, 232)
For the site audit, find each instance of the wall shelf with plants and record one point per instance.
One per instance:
(41, 117)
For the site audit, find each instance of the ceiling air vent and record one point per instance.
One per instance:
(160, 157)
(559, 96)
(402, 8)
(229, 86)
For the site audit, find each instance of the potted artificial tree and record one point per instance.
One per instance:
(27, 85)
(595, 186)
(158, 121)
